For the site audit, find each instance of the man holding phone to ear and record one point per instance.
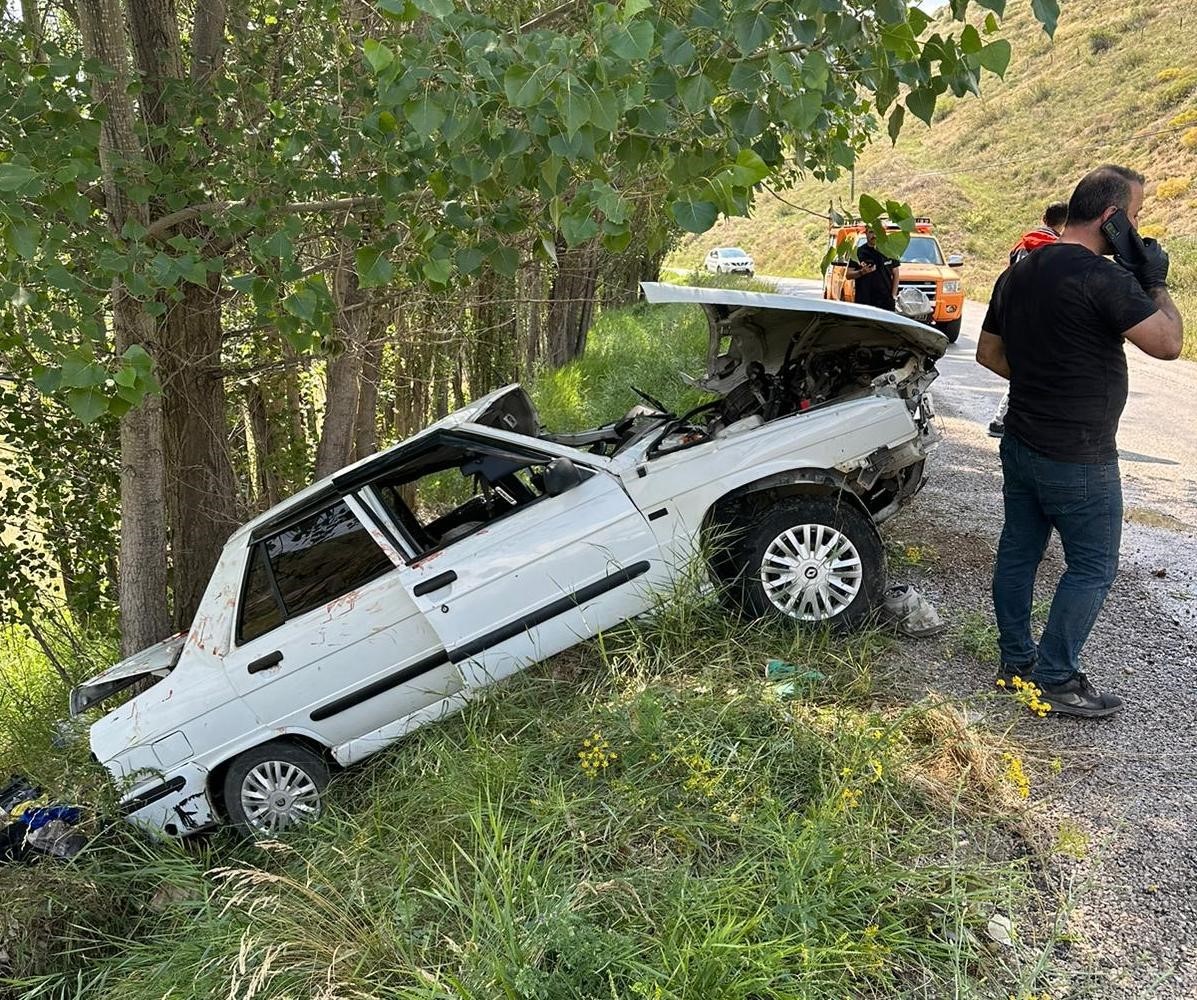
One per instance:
(1056, 328)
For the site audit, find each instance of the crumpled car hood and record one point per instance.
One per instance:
(155, 661)
(761, 326)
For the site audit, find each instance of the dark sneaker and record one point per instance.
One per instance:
(1006, 674)
(1076, 696)
(996, 428)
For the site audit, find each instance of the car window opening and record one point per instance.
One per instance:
(456, 488)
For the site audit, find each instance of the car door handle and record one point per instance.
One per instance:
(266, 662)
(436, 583)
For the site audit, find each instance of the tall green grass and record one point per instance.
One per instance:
(735, 845)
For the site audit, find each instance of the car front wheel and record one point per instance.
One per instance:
(274, 788)
(810, 560)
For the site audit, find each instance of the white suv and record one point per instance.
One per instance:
(383, 597)
(730, 260)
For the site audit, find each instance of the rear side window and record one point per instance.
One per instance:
(314, 561)
(259, 609)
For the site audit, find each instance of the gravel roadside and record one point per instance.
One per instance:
(1127, 790)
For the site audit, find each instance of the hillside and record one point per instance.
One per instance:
(1118, 83)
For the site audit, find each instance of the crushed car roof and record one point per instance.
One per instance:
(792, 307)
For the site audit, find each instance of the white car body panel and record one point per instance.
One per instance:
(412, 644)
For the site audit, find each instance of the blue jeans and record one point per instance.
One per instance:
(1084, 504)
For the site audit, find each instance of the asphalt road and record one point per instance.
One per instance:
(1156, 442)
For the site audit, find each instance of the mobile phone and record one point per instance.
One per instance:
(1122, 236)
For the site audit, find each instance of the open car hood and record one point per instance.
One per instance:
(761, 326)
(155, 661)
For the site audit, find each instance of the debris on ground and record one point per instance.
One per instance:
(32, 826)
(914, 616)
(794, 678)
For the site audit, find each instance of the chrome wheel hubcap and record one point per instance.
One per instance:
(811, 572)
(276, 795)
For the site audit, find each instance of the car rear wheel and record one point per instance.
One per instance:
(274, 788)
(809, 560)
(951, 330)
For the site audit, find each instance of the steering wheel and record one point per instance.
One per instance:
(655, 403)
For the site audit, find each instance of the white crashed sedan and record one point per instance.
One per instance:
(383, 597)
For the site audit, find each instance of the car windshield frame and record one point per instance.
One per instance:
(731, 252)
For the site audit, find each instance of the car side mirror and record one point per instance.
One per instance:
(955, 260)
(560, 476)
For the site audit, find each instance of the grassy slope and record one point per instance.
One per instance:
(987, 167)
(644, 816)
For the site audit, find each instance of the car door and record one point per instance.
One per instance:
(329, 641)
(547, 573)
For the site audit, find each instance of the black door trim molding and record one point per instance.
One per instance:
(482, 643)
(543, 614)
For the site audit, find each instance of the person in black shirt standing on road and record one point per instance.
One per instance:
(875, 274)
(1055, 328)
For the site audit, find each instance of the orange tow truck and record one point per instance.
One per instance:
(924, 268)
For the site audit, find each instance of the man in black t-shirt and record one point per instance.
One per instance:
(875, 274)
(1055, 328)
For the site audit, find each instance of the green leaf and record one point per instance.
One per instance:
(13, 176)
(632, 42)
(469, 260)
(921, 102)
(438, 270)
(505, 261)
(694, 216)
(995, 56)
(890, 11)
(279, 245)
(373, 267)
(676, 49)
(440, 9)
(424, 114)
(578, 228)
(801, 110)
(302, 303)
(137, 358)
(896, 118)
(1047, 12)
(377, 55)
(751, 31)
(574, 107)
(871, 209)
(22, 237)
(48, 380)
(522, 86)
(815, 70)
(87, 404)
(991, 24)
(997, 6)
(696, 92)
(970, 40)
(633, 7)
(399, 10)
(750, 168)
(917, 20)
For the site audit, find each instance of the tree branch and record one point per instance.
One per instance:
(162, 226)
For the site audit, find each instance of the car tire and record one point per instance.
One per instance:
(950, 329)
(274, 787)
(850, 574)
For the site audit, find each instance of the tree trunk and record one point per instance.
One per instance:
(144, 617)
(34, 29)
(366, 432)
(344, 375)
(571, 303)
(202, 486)
(259, 426)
